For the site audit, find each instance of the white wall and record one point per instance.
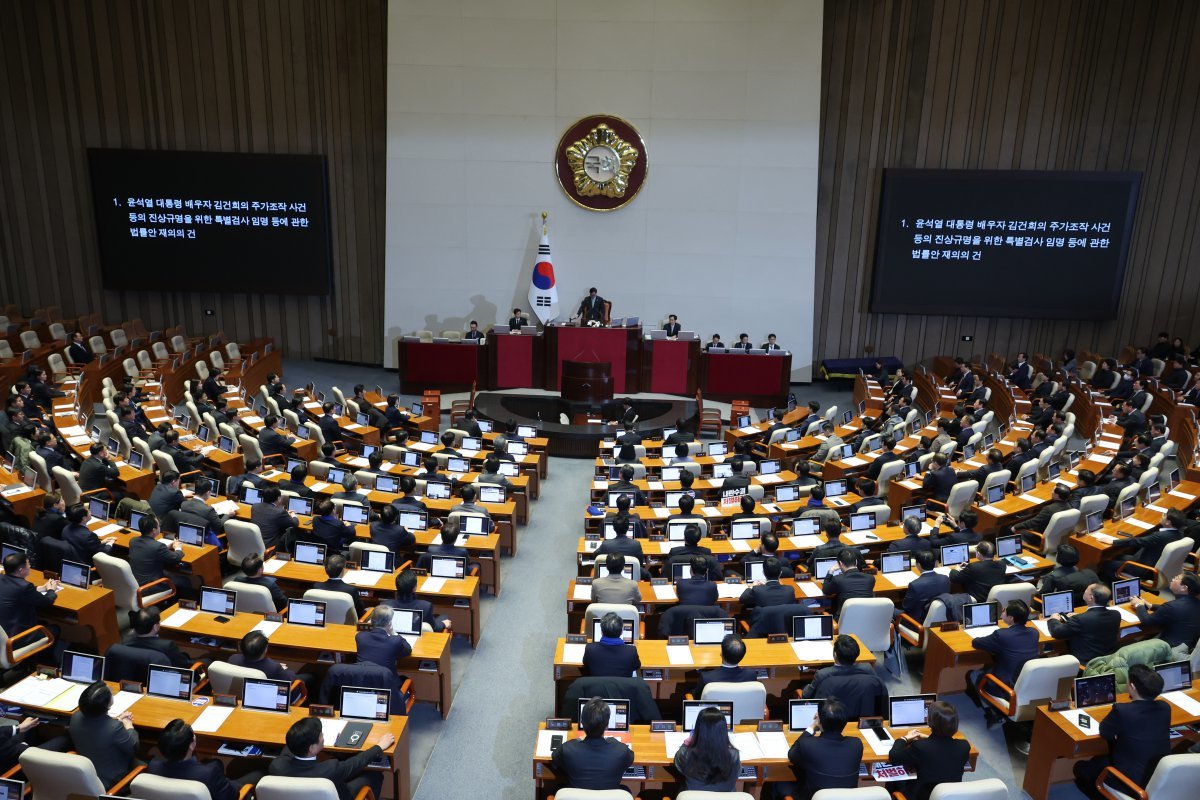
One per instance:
(726, 95)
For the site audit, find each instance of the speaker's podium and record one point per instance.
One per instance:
(587, 381)
(617, 348)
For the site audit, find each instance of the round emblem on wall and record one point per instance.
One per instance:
(601, 162)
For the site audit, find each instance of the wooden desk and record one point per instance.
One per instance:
(91, 613)
(1095, 548)
(304, 644)
(650, 752)
(1057, 744)
(266, 729)
(202, 561)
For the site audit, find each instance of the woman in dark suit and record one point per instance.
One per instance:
(936, 757)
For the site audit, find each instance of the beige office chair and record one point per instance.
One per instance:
(145, 362)
(869, 620)
(23, 644)
(6, 350)
(155, 787)
(118, 338)
(57, 332)
(38, 465)
(1000, 477)
(242, 539)
(202, 371)
(251, 448)
(250, 597)
(916, 633)
(1005, 592)
(58, 367)
(274, 787)
(30, 340)
(339, 607)
(987, 789)
(1175, 778)
(117, 576)
(165, 461)
(1169, 564)
(318, 469)
(861, 793)
(358, 548)
(699, 795)
(959, 499)
(159, 350)
(226, 678)
(55, 776)
(67, 485)
(887, 474)
(338, 395)
(600, 568)
(590, 794)
(217, 360)
(1058, 528)
(97, 345)
(749, 699)
(1041, 680)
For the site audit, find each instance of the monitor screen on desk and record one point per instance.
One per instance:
(263, 694)
(862, 521)
(76, 574)
(378, 561)
(460, 465)
(911, 469)
(722, 470)
(1177, 675)
(406, 621)
(191, 534)
(414, 520)
(251, 495)
(908, 710)
(485, 425)
(336, 475)
(355, 514)
(518, 449)
(82, 668)
(618, 713)
(744, 529)
(136, 459)
(7, 550)
(805, 526)
(978, 615)
(711, 631)
(995, 493)
(802, 714)
(894, 562)
(835, 488)
(682, 572)
(917, 511)
(692, 709)
(675, 530)
(306, 612)
(953, 554)
(1096, 690)
(472, 525)
(1028, 482)
(671, 473)
(1057, 603)
(787, 493)
(11, 790)
(447, 567)
(410, 458)
(793, 435)
(387, 483)
(813, 628)
(1008, 546)
(768, 467)
(1094, 521)
(823, 566)
(310, 553)
(1125, 590)
(171, 683)
(717, 448)
(300, 505)
(218, 601)
(627, 630)
(359, 702)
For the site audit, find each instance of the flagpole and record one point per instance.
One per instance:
(544, 215)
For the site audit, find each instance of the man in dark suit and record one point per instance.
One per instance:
(41, 391)
(295, 482)
(1147, 548)
(166, 495)
(1022, 452)
(979, 576)
(1021, 375)
(940, 478)
(697, 590)
(1011, 647)
(97, 470)
(926, 588)
(610, 656)
(252, 654)
(715, 341)
(1067, 575)
(143, 633)
(994, 463)
(1086, 480)
(888, 455)
(962, 530)
(592, 307)
(517, 320)
(1041, 412)
(184, 459)
(177, 744)
(197, 511)
(629, 435)
(1037, 523)
(20, 600)
(833, 546)
(672, 327)
(274, 440)
(1095, 631)
(149, 557)
(1138, 734)
(406, 598)
(52, 518)
(965, 385)
(1176, 375)
(866, 491)
(381, 645)
(110, 744)
(691, 547)
(274, 522)
(857, 686)
(1119, 479)
(252, 569)
(1141, 362)
(626, 484)
(134, 429)
(594, 762)
(771, 592)
(738, 479)
(682, 434)
(473, 332)
(1131, 419)
(157, 440)
(389, 533)
(621, 543)
(850, 582)
(743, 343)
(824, 758)
(84, 544)
(48, 449)
(770, 344)
(305, 742)
(328, 423)
(77, 351)
(1177, 620)
(912, 539)
(733, 650)
(335, 567)
(329, 530)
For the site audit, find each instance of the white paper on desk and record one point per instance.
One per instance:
(1183, 701)
(768, 478)
(107, 530)
(813, 651)
(665, 592)
(982, 630)
(1042, 625)
(665, 546)
(212, 718)
(747, 745)
(583, 593)
(319, 486)
(69, 699)
(73, 430)
(1029, 498)
(122, 702)
(709, 511)
(1099, 459)
(157, 420)
(679, 655)
(359, 461)
(599, 485)
(662, 513)
(573, 653)
(78, 441)
(879, 748)
(267, 628)
(1156, 509)
(542, 748)
(253, 419)
(740, 545)
(991, 509)
(654, 486)
(1137, 523)
(1072, 716)
(672, 741)
(419, 446)
(433, 584)
(1184, 495)
(179, 618)
(35, 692)
(773, 744)
(789, 446)
(362, 577)
(748, 429)
(973, 463)
(1126, 614)
(273, 566)
(806, 541)
(910, 484)
(226, 507)
(730, 591)
(861, 537)
(854, 461)
(809, 588)
(901, 578)
(1104, 538)
(943, 571)
(15, 489)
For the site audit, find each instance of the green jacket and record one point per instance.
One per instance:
(1147, 651)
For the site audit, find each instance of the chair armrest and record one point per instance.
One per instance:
(898, 796)
(1041, 539)
(1121, 778)
(1150, 583)
(1005, 690)
(364, 794)
(406, 688)
(745, 626)
(16, 770)
(301, 692)
(688, 696)
(42, 630)
(914, 625)
(148, 589)
(245, 791)
(121, 785)
(929, 501)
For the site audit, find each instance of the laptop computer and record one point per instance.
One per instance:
(191, 534)
(806, 526)
(717, 448)
(803, 714)
(1125, 590)
(954, 554)
(787, 493)
(744, 529)
(11, 789)
(692, 709)
(447, 566)
(414, 520)
(894, 562)
(300, 505)
(82, 667)
(387, 483)
(378, 561)
(218, 601)
(1096, 690)
(618, 713)
(360, 702)
(1176, 675)
(917, 511)
(862, 521)
(994, 494)
(906, 711)
(309, 553)
(264, 694)
(712, 631)
(75, 574)
(627, 630)
(979, 615)
(354, 514)
(812, 628)
(1057, 603)
(98, 508)
(823, 566)
(170, 683)
(306, 612)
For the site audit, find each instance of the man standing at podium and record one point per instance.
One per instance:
(592, 307)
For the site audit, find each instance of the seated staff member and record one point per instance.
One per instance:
(516, 321)
(177, 745)
(276, 524)
(110, 744)
(381, 645)
(979, 576)
(1011, 648)
(855, 685)
(473, 331)
(1178, 620)
(1095, 631)
(592, 307)
(733, 650)
(824, 758)
(706, 760)
(406, 598)
(595, 761)
(335, 567)
(672, 327)
(252, 573)
(1138, 733)
(149, 557)
(614, 587)
(936, 757)
(610, 656)
(305, 741)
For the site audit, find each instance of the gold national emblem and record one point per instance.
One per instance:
(601, 162)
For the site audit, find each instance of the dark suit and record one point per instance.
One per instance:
(910, 543)
(339, 585)
(978, 577)
(771, 593)
(639, 498)
(724, 674)
(683, 554)
(95, 473)
(289, 485)
(696, 592)
(592, 763)
(198, 512)
(1022, 376)
(1041, 519)
(1178, 619)
(828, 761)
(939, 482)
(164, 499)
(923, 591)
(267, 582)
(592, 308)
(148, 557)
(857, 686)
(209, 773)
(333, 532)
(1134, 422)
(935, 759)
(515, 323)
(329, 427)
(424, 606)
(610, 660)
(19, 604)
(343, 772)
(379, 648)
(475, 334)
(164, 646)
(630, 437)
(1091, 633)
(849, 585)
(623, 545)
(106, 743)
(268, 666)
(878, 464)
(1010, 648)
(1061, 579)
(272, 522)
(53, 459)
(393, 537)
(49, 522)
(1138, 736)
(184, 459)
(79, 353)
(273, 443)
(672, 328)
(84, 544)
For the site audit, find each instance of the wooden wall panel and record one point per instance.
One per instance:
(268, 76)
(1009, 84)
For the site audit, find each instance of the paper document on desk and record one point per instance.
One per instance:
(1184, 495)
(226, 508)
(662, 513)
(15, 489)
(583, 593)
(434, 584)
(880, 748)
(573, 653)
(665, 592)
(1099, 459)
(319, 487)
(730, 591)
(672, 741)
(1127, 614)
(273, 566)
(253, 419)
(854, 461)
(740, 545)
(860, 537)
(747, 745)
(666, 546)
(1072, 716)
(1137, 523)
(806, 541)
(679, 655)
(122, 702)
(809, 588)
(813, 651)
(1104, 538)
(654, 486)
(425, 448)
(1183, 701)
(354, 426)
(943, 571)
(748, 429)
(179, 618)
(1156, 509)
(709, 511)
(910, 484)
(599, 485)
(69, 700)
(35, 692)
(1029, 498)
(901, 578)
(78, 441)
(769, 478)
(542, 748)
(773, 744)
(267, 628)
(1043, 625)
(362, 577)
(359, 461)
(212, 718)
(981, 631)
(991, 509)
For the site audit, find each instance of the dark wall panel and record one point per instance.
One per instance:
(1009, 84)
(269, 76)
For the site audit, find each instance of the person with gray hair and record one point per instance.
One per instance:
(349, 489)
(381, 645)
(500, 448)
(593, 762)
(912, 541)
